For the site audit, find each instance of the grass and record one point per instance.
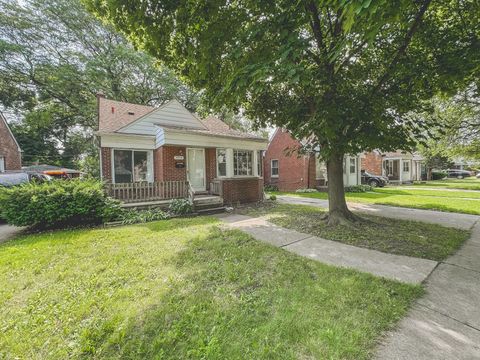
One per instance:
(468, 184)
(411, 238)
(185, 288)
(466, 202)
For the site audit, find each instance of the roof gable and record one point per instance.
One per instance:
(113, 115)
(172, 114)
(4, 121)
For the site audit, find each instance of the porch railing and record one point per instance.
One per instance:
(145, 191)
(216, 187)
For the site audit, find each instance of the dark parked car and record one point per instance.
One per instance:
(459, 174)
(17, 178)
(373, 180)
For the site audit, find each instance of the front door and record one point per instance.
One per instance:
(196, 168)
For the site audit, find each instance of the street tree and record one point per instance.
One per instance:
(343, 75)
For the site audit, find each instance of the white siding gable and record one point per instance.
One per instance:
(171, 114)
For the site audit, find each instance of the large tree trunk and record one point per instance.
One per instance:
(337, 205)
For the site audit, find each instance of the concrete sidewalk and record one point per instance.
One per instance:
(461, 221)
(445, 323)
(396, 267)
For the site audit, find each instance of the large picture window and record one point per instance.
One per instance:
(131, 166)
(221, 162)
(242, 163)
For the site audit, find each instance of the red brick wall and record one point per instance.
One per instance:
(294, 172)
(9, 148)
(106, 154)
(372, 163)
(245, 190)
(210, 165)
(168, 170)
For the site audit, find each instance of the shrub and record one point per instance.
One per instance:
(438, 175)
(142, 216)
(180, 207)
(269, 188)
(58, 202)
(306, 190)
(358, 188)
(273, 197)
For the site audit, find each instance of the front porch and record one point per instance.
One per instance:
(161, 193)
(219, 176)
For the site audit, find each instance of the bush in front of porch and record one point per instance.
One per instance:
(58, 203)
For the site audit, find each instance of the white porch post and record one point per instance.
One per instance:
(255, 163)
(229, 162)
(400, 162)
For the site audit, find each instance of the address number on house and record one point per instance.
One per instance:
(178, 157)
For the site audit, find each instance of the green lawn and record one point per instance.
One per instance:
(468, 184)
(185, 288)
(411, 238)
(451, 201)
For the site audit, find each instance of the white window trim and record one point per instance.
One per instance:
(350, 166)
(150, 162)
(226, 162)
(403, 166)
(253, 164)
(271, 167)
(258, 160)
(2, 164)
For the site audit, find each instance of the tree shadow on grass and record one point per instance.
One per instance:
(234, 297)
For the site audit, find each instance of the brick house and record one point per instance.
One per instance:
(170, 148)
(10, 152)
(398, 166)
(289, 170)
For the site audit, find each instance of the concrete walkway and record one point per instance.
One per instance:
(445, 323)
(402, 268)
(461, 221)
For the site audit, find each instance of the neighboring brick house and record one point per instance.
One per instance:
(10, 152)
(398, 166)
(143, 144)
(287, 169)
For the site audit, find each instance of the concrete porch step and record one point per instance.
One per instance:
(208, 199)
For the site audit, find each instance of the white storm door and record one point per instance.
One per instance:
(196, 168)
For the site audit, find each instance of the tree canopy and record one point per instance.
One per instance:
(54, 57)
(346, 75)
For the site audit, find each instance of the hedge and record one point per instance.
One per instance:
(58, 202)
